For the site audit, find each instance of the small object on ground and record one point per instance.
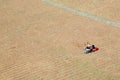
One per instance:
(90, 48)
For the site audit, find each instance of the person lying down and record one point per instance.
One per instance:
(90, 48)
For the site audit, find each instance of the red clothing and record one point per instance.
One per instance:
(95, 49)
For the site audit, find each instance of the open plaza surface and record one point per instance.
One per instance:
(44, 39)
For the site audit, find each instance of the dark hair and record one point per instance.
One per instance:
(87, 47)
(93, 46)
